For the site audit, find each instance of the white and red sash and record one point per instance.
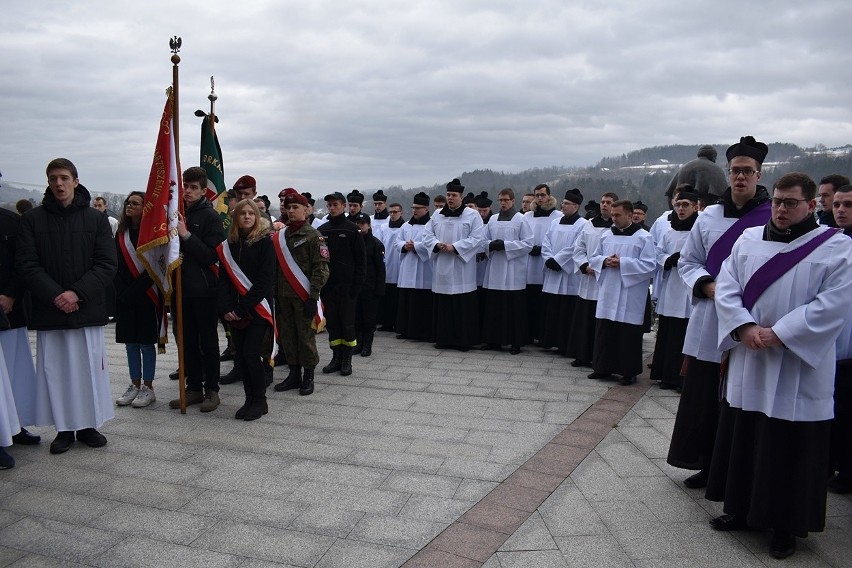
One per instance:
(242, 284)
(295, 277)
(131, 259)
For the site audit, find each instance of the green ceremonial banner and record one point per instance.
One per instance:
(211, 161)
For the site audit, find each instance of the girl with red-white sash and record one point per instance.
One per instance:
(246, 279)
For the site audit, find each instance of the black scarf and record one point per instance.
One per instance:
(569, 219)
(542, 212)
(447, 212)
(628, 231)
(686, 224)
(774, 234)
(421, 221)
(381, 214)
(760, 196)
(396, 224)
(506, 216)
(600, 222)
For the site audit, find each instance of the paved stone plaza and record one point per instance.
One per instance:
(420, 458)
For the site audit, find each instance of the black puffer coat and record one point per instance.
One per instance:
(10, 284)
(199, 250)
(257, 261)
(66, 248)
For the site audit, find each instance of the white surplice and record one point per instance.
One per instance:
(624, 290)
(454, 272)
(660, 227)
(674, 299)
(19, 362)
(806, 308)
(701, 340)
(559, 245)
(539, 226)
(585, 245)
(72, 379)
(9, 424)
(415, 266)
(388, 236)
(507, 269)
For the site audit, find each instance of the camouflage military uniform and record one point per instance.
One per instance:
(297, 336)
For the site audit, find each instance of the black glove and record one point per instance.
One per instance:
(496, 244)
(480, 256)
(310, 308)
(584, 268)
(671, 261)
(436, 248)
(552, 264)
(536, 251)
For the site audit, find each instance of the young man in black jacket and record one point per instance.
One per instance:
(66, 258)
(373, 288)
(346, 275)
(200, 232)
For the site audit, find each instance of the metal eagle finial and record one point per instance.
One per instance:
(175, 44)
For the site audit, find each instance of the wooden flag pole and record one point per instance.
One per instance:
(175, 44)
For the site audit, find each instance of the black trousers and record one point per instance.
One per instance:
(201, 343)
(250, 350)
(366, 309)
(339, 315)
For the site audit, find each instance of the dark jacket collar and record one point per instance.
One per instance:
(686, 224)
(82, 198)
(569, 219)
(600, 222)
(774, 234)
(421, 221)
(447, 212)
(760, 196)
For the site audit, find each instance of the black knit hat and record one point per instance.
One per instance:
(309, 198)
(640, 205)
(469, 198)
(355, 197)
(421, 199)
(748, 147)
(456, 186)
(574, 196)
(380, 196)
(690, 195)
(482, 200)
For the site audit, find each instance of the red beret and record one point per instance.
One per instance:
(290, 196)
(245, 182)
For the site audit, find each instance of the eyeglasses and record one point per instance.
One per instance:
(133, 204)
(788, 203)
(747, 172)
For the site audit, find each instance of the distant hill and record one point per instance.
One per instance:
(642, 174)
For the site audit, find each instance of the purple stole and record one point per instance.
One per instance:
(778, 265)
(721, 249)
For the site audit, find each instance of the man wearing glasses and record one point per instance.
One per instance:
(743, 204)
(782, 299)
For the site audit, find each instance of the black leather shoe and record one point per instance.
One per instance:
(783, 544)
(514, 350)
(401, 336)
(578, 363)
(729, 523)
(91, 437)
(627, 380)
(597, 375)
(25, 438)
(697, 481)
(62, 443)
(173, 376)
(226, 355)
(233, 376)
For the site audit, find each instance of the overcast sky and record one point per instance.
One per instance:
(326, 96)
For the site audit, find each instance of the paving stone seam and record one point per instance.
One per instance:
(487, 525)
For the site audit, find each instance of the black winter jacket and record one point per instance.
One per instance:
(346, 252)
(374, 280)
(10, 284)
(66, 248)
(137, 317)
(199, 250)
(257, 261)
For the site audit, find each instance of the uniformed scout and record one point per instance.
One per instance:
(303, 261)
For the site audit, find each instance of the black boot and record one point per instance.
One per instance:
(293, 380)
(359, 345)
(334, 365)
(241, 412)
(258, 405)
(367, 347)
(307, 382)
(346, 361)
(233, 376)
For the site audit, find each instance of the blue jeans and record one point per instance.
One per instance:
(141, 360)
